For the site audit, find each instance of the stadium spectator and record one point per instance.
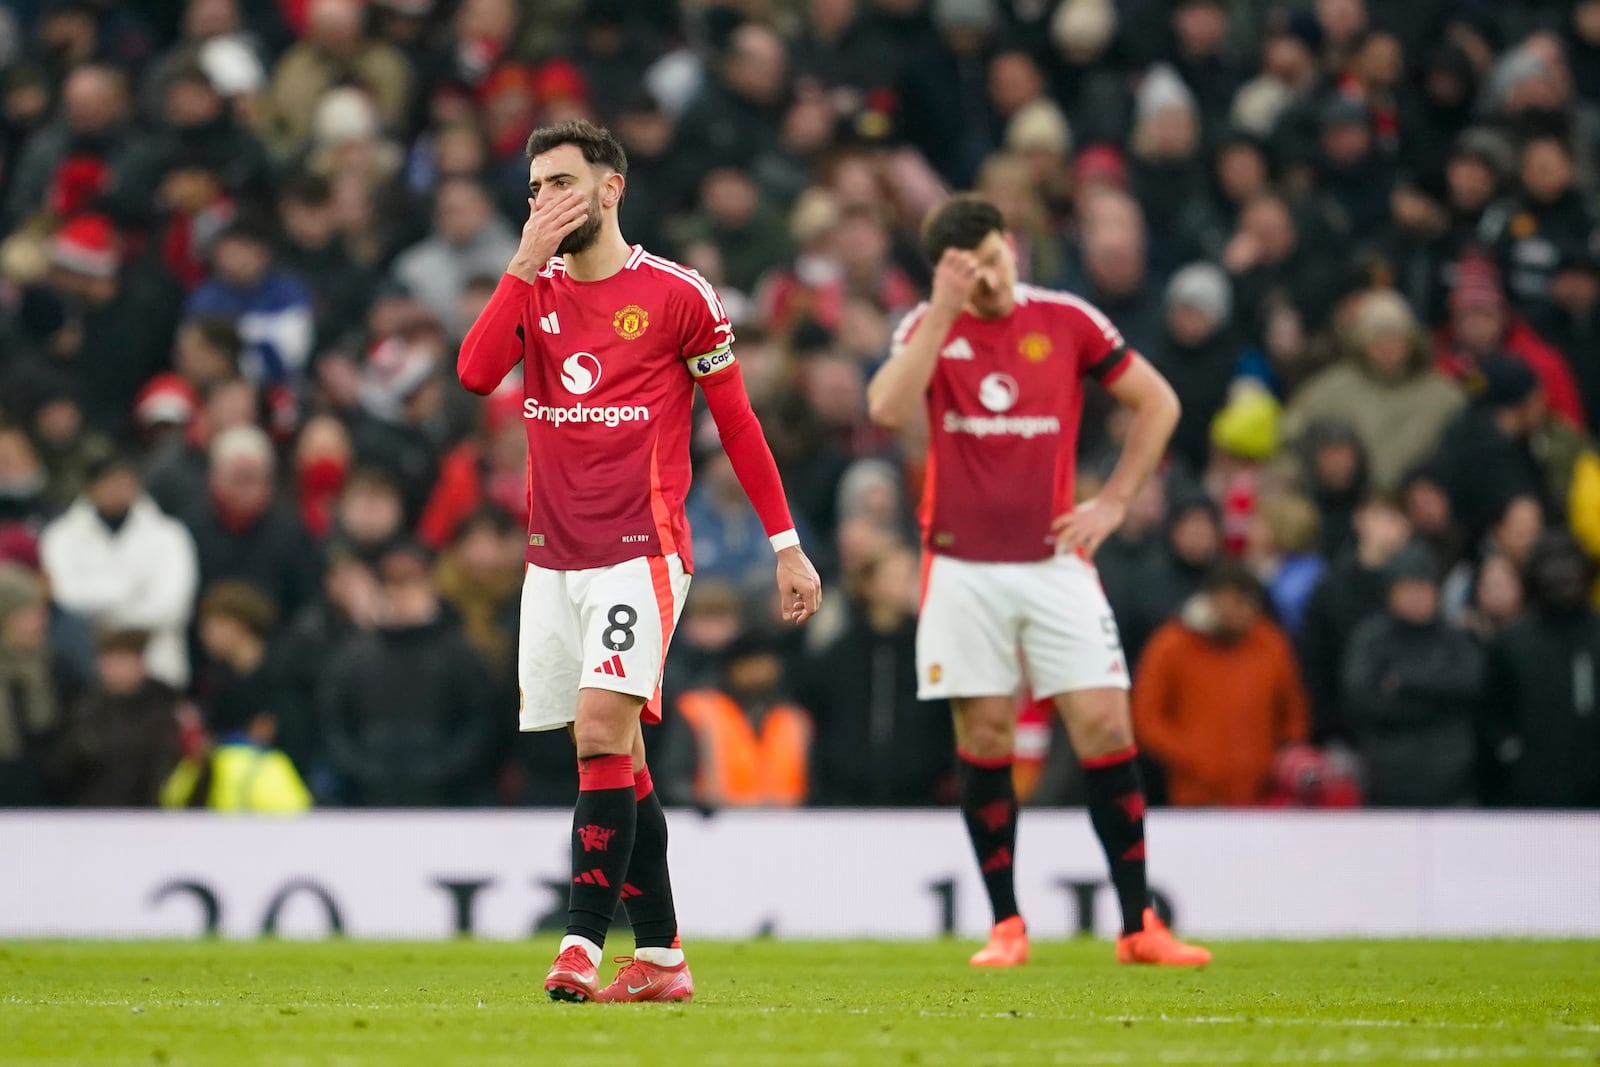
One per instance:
(97, 319)
(740, 741)
(1198, 355)
(1411, 687)
(875, 743)
(1282, 550)
(66, 167)
(468, 239)
(1333, 473)
(406, 708)
(119, 742)
(1384, 388)
(479, 577)
(271, 306)
(242, 532)
(334, 51)
(65, 445)
(23, 481)
(1191, 544)
(117, 560)
(1217, 694)
(1482, 326)
(1540, 699)
(30, 693)
(1353, 589)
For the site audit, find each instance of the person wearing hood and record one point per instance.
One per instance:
(1217, 694)
(1385, 388)
(116, 559)
(1353, 589)
(1190, 546)
(1333, 474)
(1411, 687)
(1542, 722)
(408, 709)
(1198, 354)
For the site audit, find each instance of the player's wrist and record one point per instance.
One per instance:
(788, 540)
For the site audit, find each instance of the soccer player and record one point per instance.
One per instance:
(612, 341)
(1008, 584)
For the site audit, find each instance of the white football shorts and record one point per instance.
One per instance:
(987, 627)
(601, 628)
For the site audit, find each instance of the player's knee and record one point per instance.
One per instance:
(607, 724)
(983, 736)
(1099, 723)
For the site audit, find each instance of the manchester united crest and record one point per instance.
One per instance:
(1035, 347)
(630, 322)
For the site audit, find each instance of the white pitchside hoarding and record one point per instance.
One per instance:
(798, 875)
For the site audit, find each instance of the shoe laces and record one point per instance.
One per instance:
(582, 957)
(629, 964)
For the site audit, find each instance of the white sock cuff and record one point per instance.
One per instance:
(588, 946)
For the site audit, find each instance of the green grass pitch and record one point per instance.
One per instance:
(769, 1004)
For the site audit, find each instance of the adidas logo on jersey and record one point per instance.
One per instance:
(960, 348)
(549, 323)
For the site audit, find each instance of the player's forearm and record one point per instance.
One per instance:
(1154, 419)
(494, 343)
(747, 450)
(900, 384)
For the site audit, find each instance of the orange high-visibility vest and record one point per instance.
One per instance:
(738, 766)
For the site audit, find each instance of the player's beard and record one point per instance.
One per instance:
(584, 237)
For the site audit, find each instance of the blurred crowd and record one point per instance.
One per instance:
(258, 549)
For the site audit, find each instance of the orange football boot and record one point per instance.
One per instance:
(573, 977)
(1007, 947)
(639, 982)
(1155, 944)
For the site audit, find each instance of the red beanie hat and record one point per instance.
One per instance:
(86, 245)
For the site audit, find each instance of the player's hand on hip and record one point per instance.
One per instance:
(1085, 528)
(548, 223)
(799, 587)
(954, 279)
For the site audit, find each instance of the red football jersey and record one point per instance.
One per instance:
(609, 370)
(1003, 411)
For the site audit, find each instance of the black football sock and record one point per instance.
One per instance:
(602, 840)
(647, 893)
(989, 808)
(1116, 808)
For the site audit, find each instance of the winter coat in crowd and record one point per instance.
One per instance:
(876, 743)
(1213, 714)
(1349, 593)
(1201, 375)
(437, 270)
(1543, 702)
(1399, 421)
(1410, 695)
(140, 574)
(271, 552)
(116, 751)
(409, 716)
(275, 320)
